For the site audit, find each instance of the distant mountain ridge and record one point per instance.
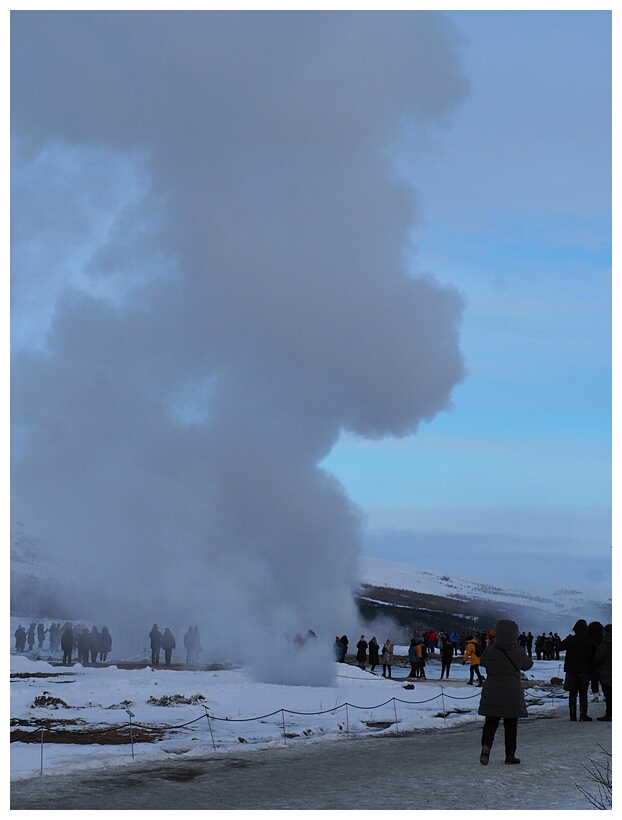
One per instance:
(458, 601)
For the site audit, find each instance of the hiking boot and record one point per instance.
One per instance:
(470, 683)
(512, 759)
(480, 683)
(483, 758)
(584, 718)
(605, 717)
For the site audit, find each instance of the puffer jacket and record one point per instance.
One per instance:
(471, 652)
(579, 650)
(387, 653)
(502, 693)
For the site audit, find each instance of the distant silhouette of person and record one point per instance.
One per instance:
(338, 649)
(447, 654)
(94, 644)
(413, 657)
(602, 661)
(41, 630)
(344, 641)
(387, 658)
(168, 644)
(105, 643)
(374, 657)
(361, 652)
(83, 644)
(155, 637)
(67, 642)
(196, 646)
(20, 638)
(54, 634)
(188, 646)
(30, 635)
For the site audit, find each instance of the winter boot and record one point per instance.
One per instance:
(584, 718)
(573, 711)
(483, 758)
(605, 717)
(512, 759)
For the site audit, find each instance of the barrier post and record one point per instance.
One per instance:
(347, 722)
(131, 714)
(443, 701)
(283, 720)
(395, 713)
(41, 769)
(209, 723)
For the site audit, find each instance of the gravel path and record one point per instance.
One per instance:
(423, 770)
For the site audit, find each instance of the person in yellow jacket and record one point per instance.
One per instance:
(472, 653)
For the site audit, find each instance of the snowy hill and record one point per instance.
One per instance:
(391, 583)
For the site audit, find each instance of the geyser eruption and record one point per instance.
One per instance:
(233, 303)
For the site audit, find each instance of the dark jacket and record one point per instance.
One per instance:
(105, 640)
(361, 654)
(579, 651)
(602, 658)
(168, 640)
(373, 652)
(156, 638)
(502, 693)
(67, 641)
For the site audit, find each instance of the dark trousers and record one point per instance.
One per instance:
(510, 727)
(67, 655)
(155, 657)
(386, 666)
(474, 670)
(607, 694)
(582, 690)
(445, 668)
(414, 670)
(167, 656)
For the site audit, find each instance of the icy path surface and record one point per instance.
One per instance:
(422, 770)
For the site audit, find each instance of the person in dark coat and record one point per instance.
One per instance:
(168, 644)
(447, 654)
(413, 657)
(155, 636)
(83, 644)
(502, 692)
(602, 662)
(105, 643)
(30, 636)
(94, 644)
(361, 652)
(67, 643)
(20, 638)
(578, 666)
(529, 643)
(374, 657)
(41, 630)
(344, 641)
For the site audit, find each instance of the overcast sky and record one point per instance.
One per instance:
(245, 245)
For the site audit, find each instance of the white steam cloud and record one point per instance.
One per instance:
(209, 230)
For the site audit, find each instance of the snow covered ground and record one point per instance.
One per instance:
(241, 710)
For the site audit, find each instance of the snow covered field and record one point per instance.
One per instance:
(241, 710)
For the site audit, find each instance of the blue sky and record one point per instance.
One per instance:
(206, 260)
(516, 206)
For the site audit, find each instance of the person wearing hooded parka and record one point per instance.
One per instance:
(502, 692)
(579, 668)
(602, 661)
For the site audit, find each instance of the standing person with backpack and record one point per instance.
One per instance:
(472, 653)
(579, 668)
